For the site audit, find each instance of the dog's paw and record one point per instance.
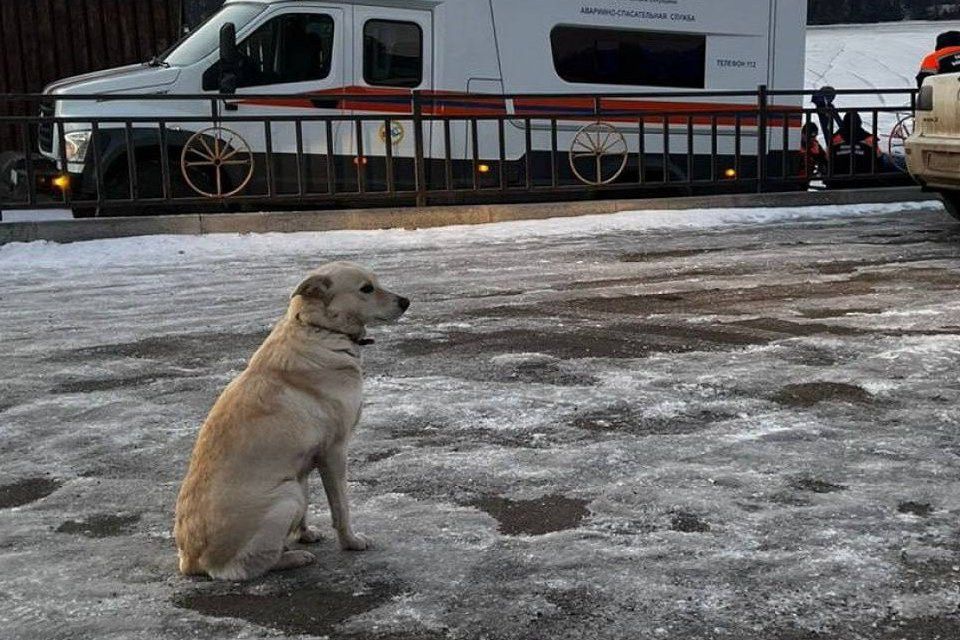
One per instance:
(354, 542)
(294, 560)
(309, 535)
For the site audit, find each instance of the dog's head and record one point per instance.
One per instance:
(345, 298)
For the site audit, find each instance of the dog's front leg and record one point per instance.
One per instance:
(307, 534)
(333, 471)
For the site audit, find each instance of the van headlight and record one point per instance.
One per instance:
(77, 144)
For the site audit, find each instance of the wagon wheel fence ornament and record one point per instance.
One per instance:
(207, 155)
(899, 134)
(590, 150)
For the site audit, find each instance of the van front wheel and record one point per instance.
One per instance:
(951, 202)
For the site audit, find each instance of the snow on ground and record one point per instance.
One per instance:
(702, 425)
(161, 249)
(719, 424)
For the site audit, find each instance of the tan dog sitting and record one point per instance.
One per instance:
(244, 498)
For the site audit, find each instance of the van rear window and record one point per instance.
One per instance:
(392, 53)
(594, 55)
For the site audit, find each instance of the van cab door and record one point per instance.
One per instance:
(393, 57)
(300, 51)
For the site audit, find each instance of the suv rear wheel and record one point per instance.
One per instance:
(951, 202)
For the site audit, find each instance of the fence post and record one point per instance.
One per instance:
(763, 99)
(418, 161)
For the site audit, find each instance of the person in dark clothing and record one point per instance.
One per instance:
(854, 144)
(815, 157)
(945, 59)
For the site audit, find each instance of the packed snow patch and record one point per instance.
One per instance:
(160, 250)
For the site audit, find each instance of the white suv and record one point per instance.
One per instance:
(933, 151)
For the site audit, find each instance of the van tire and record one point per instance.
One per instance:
(116, 184)
(951, 202)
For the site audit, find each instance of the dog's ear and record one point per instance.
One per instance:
(316, 287)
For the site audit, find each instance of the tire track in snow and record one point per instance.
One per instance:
(870, 85)
(833, 61)
(906, 80)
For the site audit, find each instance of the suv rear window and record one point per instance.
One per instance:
(592, 55)
(392, 53)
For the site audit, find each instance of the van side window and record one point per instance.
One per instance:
(294, 47)
(638, 58)
(392, 53)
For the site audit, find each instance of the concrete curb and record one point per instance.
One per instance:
(413, 218)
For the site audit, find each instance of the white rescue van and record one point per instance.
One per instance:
(313, 56)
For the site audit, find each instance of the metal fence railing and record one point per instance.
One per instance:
(122, 154)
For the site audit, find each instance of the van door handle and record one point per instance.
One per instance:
(230, 106)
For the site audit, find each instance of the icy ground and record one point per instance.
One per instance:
(716, 424)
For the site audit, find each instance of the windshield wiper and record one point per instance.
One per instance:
(155, 61)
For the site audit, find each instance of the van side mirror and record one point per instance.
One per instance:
(229, 59)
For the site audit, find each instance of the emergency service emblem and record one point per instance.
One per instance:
(397, 133)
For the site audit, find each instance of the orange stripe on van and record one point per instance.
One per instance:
(457, 104)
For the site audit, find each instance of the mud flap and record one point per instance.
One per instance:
(9, 161)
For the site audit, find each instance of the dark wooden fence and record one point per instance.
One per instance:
(44, 40)
(195, 11)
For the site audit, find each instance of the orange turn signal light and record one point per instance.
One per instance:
(62, 182)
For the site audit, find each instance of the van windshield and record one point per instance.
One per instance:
(205, 39)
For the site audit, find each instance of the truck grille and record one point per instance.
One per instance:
(45, 130)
